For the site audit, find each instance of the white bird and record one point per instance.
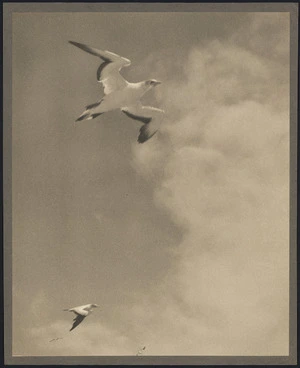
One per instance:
(81, 312)
(121, 94)
(140, 352)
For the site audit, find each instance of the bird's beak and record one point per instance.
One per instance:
(157, 82)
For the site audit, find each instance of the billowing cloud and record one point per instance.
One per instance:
(222, 171)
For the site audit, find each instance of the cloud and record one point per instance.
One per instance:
(267, 35)
(220, 167)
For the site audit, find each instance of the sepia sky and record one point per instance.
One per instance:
(182, 241)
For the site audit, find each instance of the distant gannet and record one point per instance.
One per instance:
(120, 94)
(140, 352)
(81, 312)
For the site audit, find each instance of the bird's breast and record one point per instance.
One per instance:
(124, 97)
(134, 91)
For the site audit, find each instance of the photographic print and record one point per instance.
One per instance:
(149, 211)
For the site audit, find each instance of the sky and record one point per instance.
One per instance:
(183, 241)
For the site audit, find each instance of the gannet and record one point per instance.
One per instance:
(140, 352)
(121, 94)
(81, 312)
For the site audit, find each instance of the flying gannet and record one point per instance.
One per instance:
(81, 312)
(140, 352)
(121, 94)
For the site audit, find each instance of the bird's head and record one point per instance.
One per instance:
(152, 83)
(95, 305)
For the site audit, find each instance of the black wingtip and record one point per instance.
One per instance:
(144, 138)
(82, 117)
(93, 105)
(77, 44)
(144, 135)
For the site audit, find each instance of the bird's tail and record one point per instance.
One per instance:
(83, 116)
(87, 115)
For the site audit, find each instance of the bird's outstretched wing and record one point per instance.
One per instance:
(77, 320)
(150, 117)
(108, 71)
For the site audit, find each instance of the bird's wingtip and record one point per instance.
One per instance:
(74, 43)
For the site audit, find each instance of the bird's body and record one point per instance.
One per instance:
(126, 96)
(140, 352)
(81, 312)
(119, 93)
